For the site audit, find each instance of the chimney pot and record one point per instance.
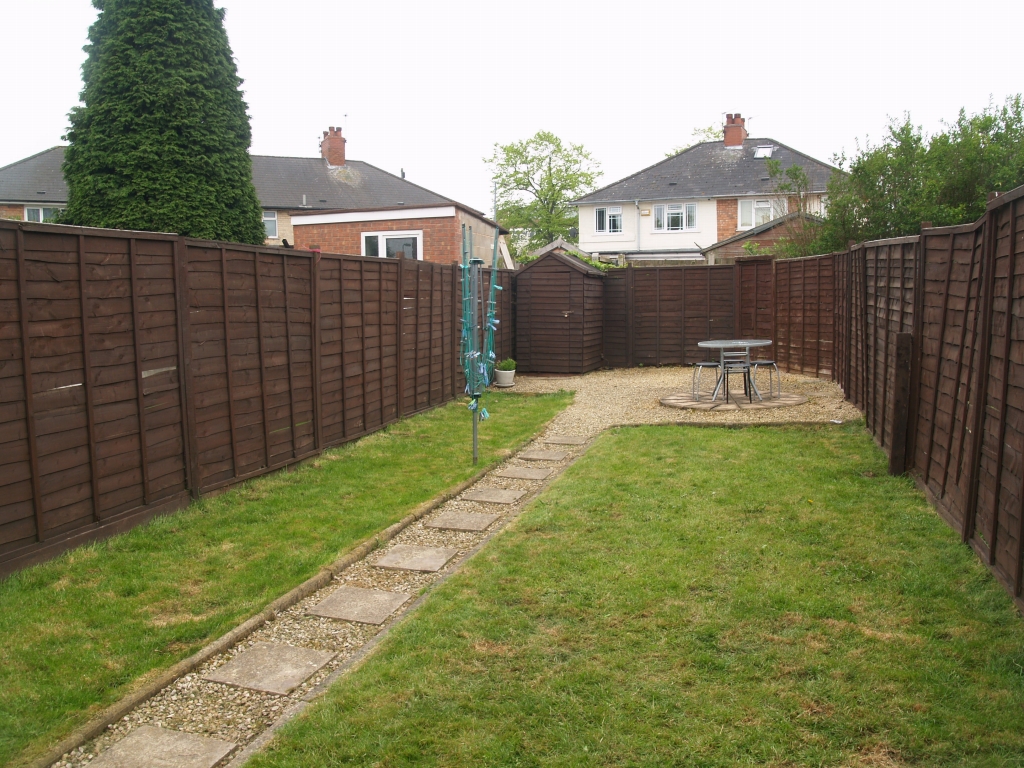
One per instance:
(332, 148)
(735, 132)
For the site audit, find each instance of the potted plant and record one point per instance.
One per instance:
(504, 373)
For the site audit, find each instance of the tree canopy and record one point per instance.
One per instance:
(537, 179)
(161, 141)
(910, 177)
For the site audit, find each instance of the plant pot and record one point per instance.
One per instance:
(504, 378)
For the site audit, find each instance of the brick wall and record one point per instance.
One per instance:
(442, 237)
(12, 212)
(728, 217)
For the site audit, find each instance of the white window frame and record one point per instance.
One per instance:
(40, 208)
(763, 152)
(615, 211)
(755, 203)
(269, 216)
(381, 235)
(609, 212)
(683, 210)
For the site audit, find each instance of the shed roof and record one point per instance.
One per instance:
(568, 260)
(711, 169)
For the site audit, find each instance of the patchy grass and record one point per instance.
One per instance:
(78, 632)
(687, 596)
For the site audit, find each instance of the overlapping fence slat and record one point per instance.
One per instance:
(138, 369)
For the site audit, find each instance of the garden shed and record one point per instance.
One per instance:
(559, 315)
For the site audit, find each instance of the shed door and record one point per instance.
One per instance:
(550, 314)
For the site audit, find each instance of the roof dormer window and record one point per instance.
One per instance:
(763, 152)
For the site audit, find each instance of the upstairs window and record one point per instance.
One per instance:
(676, 217)
(754, 213)
(41, 214)
(763, 153)
(270, 224)
(608, 220)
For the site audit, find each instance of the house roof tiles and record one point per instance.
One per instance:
(710, 169)
(280, 182)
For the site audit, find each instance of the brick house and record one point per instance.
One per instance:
(764, 236)
(678, 209)
(33, 189)
(326, 202)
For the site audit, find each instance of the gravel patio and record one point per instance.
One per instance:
(632, 396)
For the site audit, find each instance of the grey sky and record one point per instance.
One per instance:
(430, 87)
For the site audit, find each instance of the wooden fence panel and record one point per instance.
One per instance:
(137, 369)
(804, 311)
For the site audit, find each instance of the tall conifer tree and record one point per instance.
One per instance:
(162, 141)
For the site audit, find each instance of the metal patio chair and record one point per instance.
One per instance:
(698, 368)
(771, 366)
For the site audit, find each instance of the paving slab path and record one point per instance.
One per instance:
(228, 708)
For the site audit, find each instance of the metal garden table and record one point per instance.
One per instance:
(722, 345)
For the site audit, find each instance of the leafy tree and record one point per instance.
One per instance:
(161, 143)
(790, 188)
(537, 180)
(699, 136)
(909, 177)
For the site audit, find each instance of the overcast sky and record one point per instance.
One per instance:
(430, 87)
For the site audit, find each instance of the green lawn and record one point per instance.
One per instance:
(77, 632)
(687, 596)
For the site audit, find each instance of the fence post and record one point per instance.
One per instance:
(629, 315)
(188, 422)
(315, 340)
(984, 308)
(26, 364)
(901, 403)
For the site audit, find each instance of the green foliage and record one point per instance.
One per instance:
(161, 143)
(537, 180)
(508, 364)
(910, 177)
(756, 249)
(79, 631)
(699, 136)
(791, 192)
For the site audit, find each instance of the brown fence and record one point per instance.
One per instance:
(804, 314)
(657, 315)
(951, 408)
(137, 369)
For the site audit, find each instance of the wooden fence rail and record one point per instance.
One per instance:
(138, 370)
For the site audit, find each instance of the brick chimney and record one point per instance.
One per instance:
(332, 148)
(735, 133)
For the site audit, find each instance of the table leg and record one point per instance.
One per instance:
(721, 376)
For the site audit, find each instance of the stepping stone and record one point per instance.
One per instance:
(272, 668)
(151, 747)
(566, 440)
(543, 455)
(494, 496)
(525, 473)
(367, 606)
(462, 521)
(407, 557)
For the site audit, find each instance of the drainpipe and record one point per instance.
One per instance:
(637, 204)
